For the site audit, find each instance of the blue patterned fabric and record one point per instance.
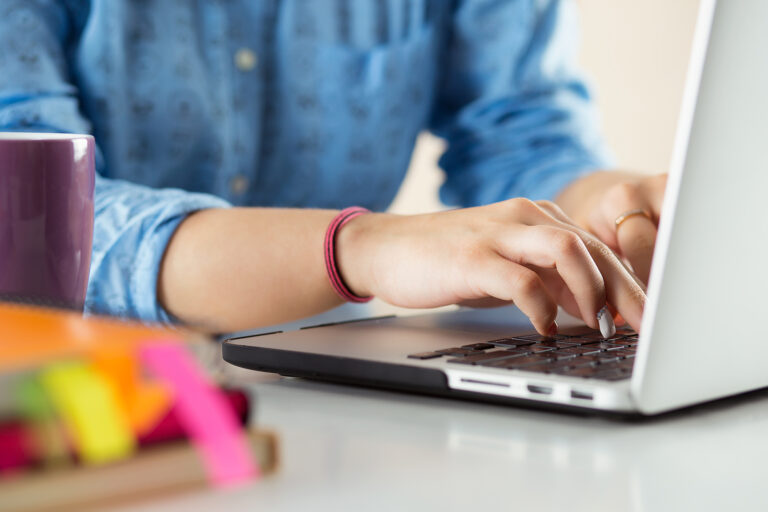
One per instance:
(303, 103)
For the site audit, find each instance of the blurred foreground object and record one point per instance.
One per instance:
(97, 411)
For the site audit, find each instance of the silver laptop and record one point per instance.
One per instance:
(701, 337)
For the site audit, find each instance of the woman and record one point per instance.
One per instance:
(298, 104)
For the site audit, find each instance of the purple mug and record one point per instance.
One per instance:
(46, 217)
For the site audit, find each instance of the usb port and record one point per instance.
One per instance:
(583, 395)
(542, 390)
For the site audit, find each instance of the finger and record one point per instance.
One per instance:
(559, 291)
(637, 238)
(597, 225)
(652, 189)
(502, 279)
(624, 293)
(554, 210)
(603, 225)
(553, 247)
(637, 242)
(619, 200)
(624, 290)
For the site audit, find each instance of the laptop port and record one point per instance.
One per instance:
(542, 390)
(486, 382)
(582, 395)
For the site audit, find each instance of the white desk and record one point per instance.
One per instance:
(356, 449)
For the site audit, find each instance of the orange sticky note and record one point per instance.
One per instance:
(31, 336)
(90, 411)
(145, 402)
(149, 405)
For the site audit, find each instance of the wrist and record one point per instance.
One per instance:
(355, 247)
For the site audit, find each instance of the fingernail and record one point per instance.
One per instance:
(605, 320)
(552, 329)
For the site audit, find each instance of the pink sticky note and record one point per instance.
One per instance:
(203, 412)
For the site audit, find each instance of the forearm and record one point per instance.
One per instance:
(231, 269)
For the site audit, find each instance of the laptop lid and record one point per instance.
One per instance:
(702, 336)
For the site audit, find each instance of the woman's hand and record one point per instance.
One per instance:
(622, 209)
(518, 251)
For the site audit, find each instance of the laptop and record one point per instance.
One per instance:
(701, 337)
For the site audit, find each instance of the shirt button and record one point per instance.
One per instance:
(245, 59)
(238, 184)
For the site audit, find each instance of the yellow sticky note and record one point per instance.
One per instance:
(90, 411)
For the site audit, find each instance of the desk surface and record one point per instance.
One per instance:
(358, 449)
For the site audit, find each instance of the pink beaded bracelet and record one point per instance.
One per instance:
(329, 250)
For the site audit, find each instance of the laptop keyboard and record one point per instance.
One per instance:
(575, 352)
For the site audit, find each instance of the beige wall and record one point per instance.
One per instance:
(635, 53)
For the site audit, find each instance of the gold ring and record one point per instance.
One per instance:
(630, 213)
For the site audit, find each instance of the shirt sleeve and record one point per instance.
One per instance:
(518, 119)
(133, 224)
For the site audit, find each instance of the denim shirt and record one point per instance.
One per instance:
(290, 103)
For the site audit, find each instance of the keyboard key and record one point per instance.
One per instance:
(539, 368)
(557, 344)
(539, 347)
(424, 355)
(624, 352)
(458, 352)
(485, 356)
(559, 366)
(522, 351)
(519, 362)
(478, 346)
(623, 365)
(561, 355)
(585, 360)
(581, 371)
(607, 357)
(609, 346)
(538, 337)
(592, 336)
(548, 367)
(579, 351)
(509, 342)
(613, 374)
(579, 332)
(579, 342)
